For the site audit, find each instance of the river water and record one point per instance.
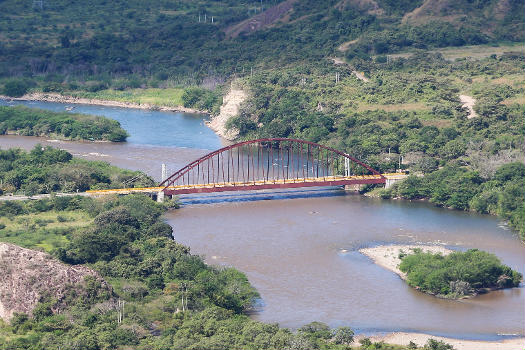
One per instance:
(300, 249)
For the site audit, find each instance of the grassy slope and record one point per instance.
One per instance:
(170, 97)
(46, 231)
(470, 51)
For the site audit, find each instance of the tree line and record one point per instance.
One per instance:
(38, 122)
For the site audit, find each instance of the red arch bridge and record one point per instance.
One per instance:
(268, 163)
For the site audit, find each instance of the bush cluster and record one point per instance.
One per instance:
(457, 274)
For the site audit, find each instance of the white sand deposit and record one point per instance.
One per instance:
(387, 256)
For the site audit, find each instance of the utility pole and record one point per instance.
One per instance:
(120, 306)
(184, 301)
(164, 173)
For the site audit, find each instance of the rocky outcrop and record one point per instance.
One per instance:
(27, 275)
(230, 108)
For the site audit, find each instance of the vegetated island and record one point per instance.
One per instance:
(37, 122)
(443, 272)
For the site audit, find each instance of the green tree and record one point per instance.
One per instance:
(343, 335)
(433, 344)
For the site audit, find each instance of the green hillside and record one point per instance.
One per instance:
(176, 40)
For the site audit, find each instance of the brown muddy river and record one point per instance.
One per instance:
(301, 254)
(299, 249)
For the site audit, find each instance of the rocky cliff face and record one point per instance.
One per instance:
(26, 275)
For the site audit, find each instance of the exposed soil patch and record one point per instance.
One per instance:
(344, 46)
(273, 15)
(360, 76)
(338, 60)
(468, 103)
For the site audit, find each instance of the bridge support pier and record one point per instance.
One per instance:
(390, 182)
(355, 188)
(160, 196)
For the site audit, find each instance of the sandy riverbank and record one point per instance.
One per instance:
(388, 256)
(53, 97)
(402, 338)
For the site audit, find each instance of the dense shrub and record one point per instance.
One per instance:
(201, 99)
(15, 88)
(457, 274)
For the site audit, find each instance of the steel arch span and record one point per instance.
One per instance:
(268, 164)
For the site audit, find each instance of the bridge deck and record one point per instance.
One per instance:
(257, 185)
